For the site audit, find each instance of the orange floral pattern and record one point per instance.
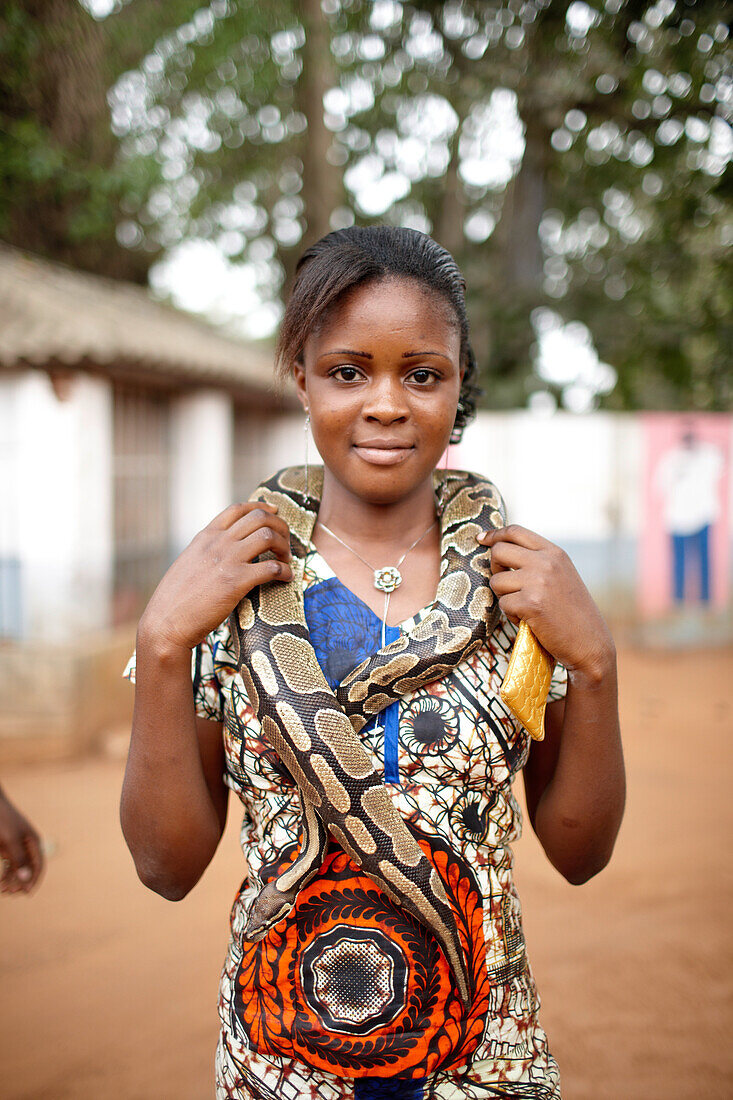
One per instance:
(294, 989)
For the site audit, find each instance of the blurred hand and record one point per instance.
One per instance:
(536, 581)
(20, 850)
(215, 571)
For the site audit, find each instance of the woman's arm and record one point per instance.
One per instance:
(574, 779)
(174, 799)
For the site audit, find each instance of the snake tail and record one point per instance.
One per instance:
(277, 898)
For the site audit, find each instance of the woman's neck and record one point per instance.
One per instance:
(358, 521)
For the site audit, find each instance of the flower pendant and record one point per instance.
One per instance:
(387, 579)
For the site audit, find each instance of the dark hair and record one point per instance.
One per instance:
(357, 255)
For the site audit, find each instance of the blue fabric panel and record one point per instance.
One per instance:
(391, 719)
(344, 631)
(388, 1088)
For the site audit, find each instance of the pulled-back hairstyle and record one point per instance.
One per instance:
(355, 256)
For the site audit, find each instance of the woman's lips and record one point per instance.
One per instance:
(381, 455)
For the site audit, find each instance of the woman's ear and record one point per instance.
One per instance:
(299, 379)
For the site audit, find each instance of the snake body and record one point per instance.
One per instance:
(315, 731)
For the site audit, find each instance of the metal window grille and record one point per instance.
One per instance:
(252, 457)
(141, 497)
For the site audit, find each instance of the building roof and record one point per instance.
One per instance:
(54, 317)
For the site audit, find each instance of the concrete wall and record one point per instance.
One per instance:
(60, 672)
(61, 689)
(575, 479)
(201, 462)
(56, 503)
(62, 700)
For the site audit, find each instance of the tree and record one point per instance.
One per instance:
(572, 157)
(60, 185)
(229, 105)
(620, 106)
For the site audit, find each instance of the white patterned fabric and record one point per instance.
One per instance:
(294, 1022)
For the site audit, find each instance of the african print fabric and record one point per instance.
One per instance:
(350, 998)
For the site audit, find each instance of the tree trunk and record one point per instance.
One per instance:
(524, 204)
(518, 270)
(62, 212)
(449, 226)
(322, 182)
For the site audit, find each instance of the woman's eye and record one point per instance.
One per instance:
(346, 374)
(423, 376)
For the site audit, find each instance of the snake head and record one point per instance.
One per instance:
(269, 907)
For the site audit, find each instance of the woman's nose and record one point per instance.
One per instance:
(385, 401)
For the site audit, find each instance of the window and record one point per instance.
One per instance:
(141, 497)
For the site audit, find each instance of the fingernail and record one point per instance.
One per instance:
(24, 873)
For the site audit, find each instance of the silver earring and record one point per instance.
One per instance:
(307, 432)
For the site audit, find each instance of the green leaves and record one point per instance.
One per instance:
(572, 156)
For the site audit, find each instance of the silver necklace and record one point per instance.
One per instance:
(388, 578)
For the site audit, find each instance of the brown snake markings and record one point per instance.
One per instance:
(315, 731)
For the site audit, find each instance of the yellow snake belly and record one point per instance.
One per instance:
(315, 732)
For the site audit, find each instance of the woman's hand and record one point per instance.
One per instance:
(536, 581)
(174, 798)
(574, 779)
(20, 850)
(215, 571)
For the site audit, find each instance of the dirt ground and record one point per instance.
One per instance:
(109, 992)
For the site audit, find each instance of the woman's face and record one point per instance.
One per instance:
(381, 377)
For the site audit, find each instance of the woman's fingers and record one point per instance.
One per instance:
(534, 580)
(507, 587)
(257, 521)
(262, 540)
(509, 580)
(508, 555)
(12, 848)
(511, 605)
(8, 882)
(34, 864)
(21, 853)
(234, 512)
(519, 536)
(261, 572)
(215, 571)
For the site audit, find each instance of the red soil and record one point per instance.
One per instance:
(107, 991)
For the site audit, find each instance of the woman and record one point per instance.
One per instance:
(348, 996)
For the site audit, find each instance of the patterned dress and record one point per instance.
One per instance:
(349, 998)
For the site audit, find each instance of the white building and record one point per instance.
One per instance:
(125, 426)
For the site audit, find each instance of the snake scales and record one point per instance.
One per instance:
(315, 731)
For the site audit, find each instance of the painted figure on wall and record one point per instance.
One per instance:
(685, 540)
(688, 477)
